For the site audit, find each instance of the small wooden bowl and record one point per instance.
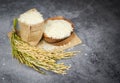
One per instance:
(53, 40)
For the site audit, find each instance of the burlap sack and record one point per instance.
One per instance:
(31, 34)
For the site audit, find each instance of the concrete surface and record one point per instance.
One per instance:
(97, 23)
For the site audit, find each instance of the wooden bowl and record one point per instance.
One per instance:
(53, 40)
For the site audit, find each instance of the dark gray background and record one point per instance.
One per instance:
(97, 23)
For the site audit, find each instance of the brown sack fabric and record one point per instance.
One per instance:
(73, 41)
(31, 30)
(31, 33)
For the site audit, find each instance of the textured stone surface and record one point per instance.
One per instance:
(97, 24)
